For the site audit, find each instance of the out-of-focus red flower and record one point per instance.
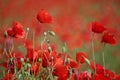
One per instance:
(72, 63)
(35, 68)
(14, 62)
(44, 17)
(110, 74)
(45, 58)
(4, 64)
(49, 59)
(80, 57)
(99, 68)
(109, 38)
(33, 55)
(58, 62)
(97, 27)
(75, 76)
(85, 76)
(16, 30)
(61, 72)
(99, 77)
(8, 77)
(117, 77)
(28, 44)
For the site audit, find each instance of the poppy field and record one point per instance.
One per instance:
(59, 40)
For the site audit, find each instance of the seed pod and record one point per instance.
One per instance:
(48, 41)
(51, 33)
(28, 28)
(21, 59)
(64, 49)
(45, 33)
(5, 34)
(87, 61)
(28, 65)
(49, 49)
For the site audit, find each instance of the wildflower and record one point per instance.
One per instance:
(49, 59)
(44, 17)
(35, 68)
(8, 76)
(108, 38)
(32, 55)
(80, 57)
(61, 72)
(72, 63)
(97, 27)
(16, 30)
(85, 76)
(109, 74)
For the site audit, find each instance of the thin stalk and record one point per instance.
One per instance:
(33, 39)
(103, 57)
(43, 42)
(27, 34)
(12, 44)
(93, 51)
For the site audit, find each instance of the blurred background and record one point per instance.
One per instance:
(71, 23)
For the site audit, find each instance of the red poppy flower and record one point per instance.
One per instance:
(4, 64)
(28, 44)
(33, 55)
(80, 57)
(85, 76)
(108, 38)
(97, 27)
(99, 68)
(117, 77)
(58, 62)
(71, 63)
(99, 77)
(49, 59)
(44, 17)
(61, 72)
(8, 77)
(16, 30)
(10, 65)
(35, 68)
(110, 74)
(75, 76)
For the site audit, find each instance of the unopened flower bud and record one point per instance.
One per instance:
(87, 61)
(68, 60)
(28, 29)
(21, 59)
(48, 41)
(51, 33)
(49, 49)
(5, 34)
(29, 65)
(63, 49)
(45, 34)
(40, 59)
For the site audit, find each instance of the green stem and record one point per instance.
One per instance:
(33, 39)
(103, 57)
(93, 51)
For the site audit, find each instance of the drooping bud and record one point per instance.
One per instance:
(48, 41)
(29, 65)
(45, 33)
(63, 49)
(21, 59)
(28, 28)
(87, 61)
(51, 33)
(49, 49)
(5, 34)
